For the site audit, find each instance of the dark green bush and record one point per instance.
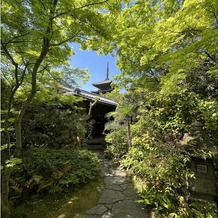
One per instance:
(52, 170)
(52, 125)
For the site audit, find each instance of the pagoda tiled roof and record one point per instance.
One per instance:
(104, 82)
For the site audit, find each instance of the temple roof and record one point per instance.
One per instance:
(104, 82)
(88, 95)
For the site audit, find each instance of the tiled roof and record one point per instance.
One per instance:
(89, 95)
(104, 82)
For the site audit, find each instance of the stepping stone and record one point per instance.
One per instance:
(118, 197)
(114, 187)
(91, 216)
(126, 213)
(124, 186)
(120, 173)
(97, 210)
(115, 180)
(111, 196)
(129, 191)
(108, 214)
(129, 209)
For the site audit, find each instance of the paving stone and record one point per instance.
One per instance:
(91, 216)
(108, 214)
(118, 199)
(115, 180)
(120, 173)
(126, 213)
(127, 204)
(97, 210)
(114, 187)
(129, 209)
(124, 186)
(109, 206)
(129, 191)
(111, 196)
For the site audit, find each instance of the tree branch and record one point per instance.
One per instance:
(8, 54)
(213, 12)
(211, 57)
(16, 37)
(64, 41)
(91, 105)
(91, 4)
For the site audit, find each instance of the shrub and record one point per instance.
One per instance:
(52, 125)
(156, 159)
(51, 170)
(118, 141)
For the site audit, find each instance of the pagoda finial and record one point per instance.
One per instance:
(107, 72)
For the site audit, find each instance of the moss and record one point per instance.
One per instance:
(72, 204)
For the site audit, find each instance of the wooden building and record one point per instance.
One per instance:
(101, 105)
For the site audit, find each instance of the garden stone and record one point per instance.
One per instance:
(115, 180)
(111, 196)
(97, 210)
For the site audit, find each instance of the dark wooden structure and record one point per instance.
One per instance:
(101, 106)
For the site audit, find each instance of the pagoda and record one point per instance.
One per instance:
(105, 85)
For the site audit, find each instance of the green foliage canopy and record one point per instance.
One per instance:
(167, 54)
(161, 41)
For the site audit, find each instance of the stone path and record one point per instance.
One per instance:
(118, 199)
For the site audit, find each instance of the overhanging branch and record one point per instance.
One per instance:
(211, 57)
(8, 54)
(92, 4)
(64, 41)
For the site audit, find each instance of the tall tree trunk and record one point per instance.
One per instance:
(5, 212)
(89, 120)
(7, 172)
(129, 139)
(44, 50)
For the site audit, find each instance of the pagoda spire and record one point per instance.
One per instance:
(107, 72)
(105, 85)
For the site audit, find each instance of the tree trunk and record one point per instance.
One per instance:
(44, 50)
(7, 173)
(129, 133)
(5, 212)
(91, 105)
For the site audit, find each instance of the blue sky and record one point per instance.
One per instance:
(96, 65)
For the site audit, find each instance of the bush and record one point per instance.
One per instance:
(156, 159)
(52, 125)
(118, 141)
(51, 170)
(160, 172)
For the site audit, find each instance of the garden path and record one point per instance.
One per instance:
(118, 197)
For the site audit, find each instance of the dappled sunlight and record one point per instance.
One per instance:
(71, 201)
(62, 216)
(75, 205)
(69, 205)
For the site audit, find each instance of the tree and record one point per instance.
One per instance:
(123, 116)
(167, 54)
(35, 43)
(164, 40)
